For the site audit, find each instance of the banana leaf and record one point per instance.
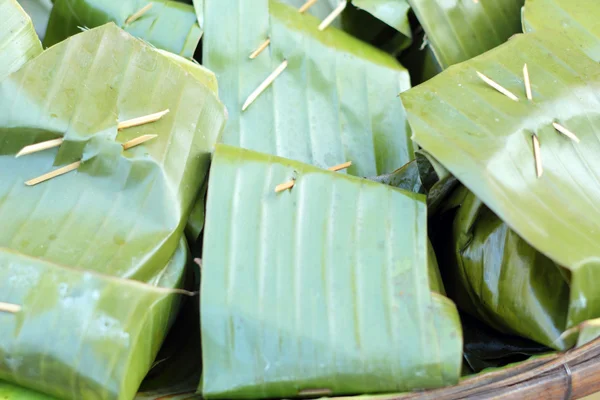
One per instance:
(392, 12)
(368, 27)
(321, 9)
(494, 275)
(323, 287)
(167, 25)
(90, 220)
(458, 30)
(577, 20)
(101, 333)
(335, 102)
(485, 139)
(39, 11)
(112, 188)
(18, 41)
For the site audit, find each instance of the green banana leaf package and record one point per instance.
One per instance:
(165, 24)
(335, 99)
(323, 289)
(523, 251)
(94, 258)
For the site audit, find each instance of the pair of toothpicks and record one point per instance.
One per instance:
(529, 93)
(9, 308)
(290, 184)
(73, 166)
(271, 78)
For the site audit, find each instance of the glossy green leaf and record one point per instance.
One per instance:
(324, 286)
(121, 213)
(485, 140)
(496, 276)
(18, 40)
(577, 20)
(458, 30)
(100, 333)
(336, 101)
(168, 25)
(392, 12)
(112, 188)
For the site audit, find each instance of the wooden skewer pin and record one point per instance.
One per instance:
(315, 392)
(537, 155)
(270, 79)
(340, 167)
(290, 184)
(334, 14)
(306, 6)
(54, 174)
(527, 83)
(497, 86)
(138, 13)
(9, 308)
(260, 48)
(34, 148)
(285, 186)
(137, 141)
(566, 132)
(146, 119)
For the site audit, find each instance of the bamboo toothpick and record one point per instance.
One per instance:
(285, 186)
(260, 48)
(142, 120)
(306, 6)
(340, 167)
(257, 92)
(10, 308)
(138, 13)
(497, 86)
(34, 148)
(527, 83)
(537, 155)
(334, 14)
(315, 392)
(566, 132)
(54, 174)
(137, 141)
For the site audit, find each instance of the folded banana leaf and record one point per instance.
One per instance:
(18, 41)
(577, 20)
(321, 289)
(484, 138)
(121, 213)
(365, 25)
(167, 25)
(112, 188)
(392, 12)
(100, 333)
(499, 278)
(335, 102)
(458, 30)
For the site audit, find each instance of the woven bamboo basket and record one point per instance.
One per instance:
(570, 375)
